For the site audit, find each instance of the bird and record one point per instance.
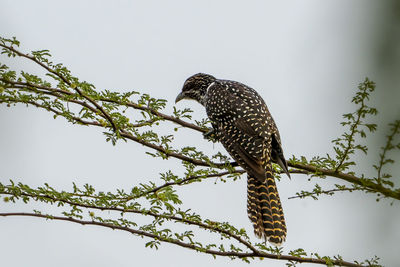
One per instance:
(241, 121)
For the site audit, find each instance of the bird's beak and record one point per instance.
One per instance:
(180, 97)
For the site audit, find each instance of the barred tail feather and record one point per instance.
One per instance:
(265, 210)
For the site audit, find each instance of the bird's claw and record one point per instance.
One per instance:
(211, 135)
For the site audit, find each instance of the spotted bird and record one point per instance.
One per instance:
(242, 123)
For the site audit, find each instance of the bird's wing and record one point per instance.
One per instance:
(254, 120)
(241, 139)
(256, 165)
(251, 112)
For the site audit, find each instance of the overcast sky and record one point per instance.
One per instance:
(305, 58)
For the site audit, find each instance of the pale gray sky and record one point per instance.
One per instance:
(304, 57)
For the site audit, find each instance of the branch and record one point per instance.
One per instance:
(213, 227)
(180, 156)
(254, 253)
(186, 180)
(323, 192)
(350, 139)
(389, 146)
(76, 119)
(64, 79)
(159, 114)
(347, 140)
(367, 183)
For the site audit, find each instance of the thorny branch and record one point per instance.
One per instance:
(367, 183)
(142, 212)
(389, 146)
(253, 253)
(323, 192)
(65, 80)
(350, 139)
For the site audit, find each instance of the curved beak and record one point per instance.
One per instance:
(179, 97)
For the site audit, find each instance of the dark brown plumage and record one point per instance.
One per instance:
(242, 123)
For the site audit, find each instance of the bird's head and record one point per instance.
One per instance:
(195, 87)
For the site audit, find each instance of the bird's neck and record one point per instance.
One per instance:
(203, 96)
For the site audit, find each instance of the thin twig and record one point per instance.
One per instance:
(191, 178)
(158, 114)
(351, 137)
(77, 119)
(326, 192)
(387, 147)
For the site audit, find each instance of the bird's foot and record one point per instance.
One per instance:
(211, 135)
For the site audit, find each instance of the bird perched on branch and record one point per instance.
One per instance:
(242, 123)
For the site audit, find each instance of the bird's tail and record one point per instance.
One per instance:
(265, 210)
